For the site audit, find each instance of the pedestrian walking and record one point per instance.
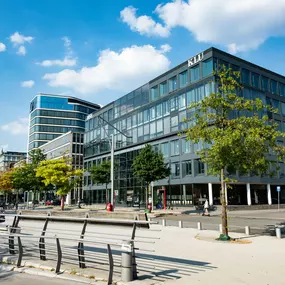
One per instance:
(206, 208)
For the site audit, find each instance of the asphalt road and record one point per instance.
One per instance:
(260, 222)
(15, 278)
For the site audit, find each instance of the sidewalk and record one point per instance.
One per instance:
(188, 256)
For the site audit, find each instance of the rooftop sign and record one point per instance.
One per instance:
(195, 59)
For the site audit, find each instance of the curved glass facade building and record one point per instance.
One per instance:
(53, 115)
(154, 113)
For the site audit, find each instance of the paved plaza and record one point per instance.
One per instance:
(189, 256)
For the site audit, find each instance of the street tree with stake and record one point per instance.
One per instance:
(236, 134)
(149, 166)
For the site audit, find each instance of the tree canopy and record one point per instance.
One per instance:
(236, 133)
(150, 166)
(101, 174)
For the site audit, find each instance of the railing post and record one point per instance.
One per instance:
(59, 255)
(20, 256)
(127, 260)
(11, 237)
(278, 233)
(111, 265)
(134, 262)
(42, 242)
(80, 249)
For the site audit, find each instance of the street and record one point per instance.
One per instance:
(261, 222)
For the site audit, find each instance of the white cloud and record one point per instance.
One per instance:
(239, 25)
(17, 127)
(28, 83)
(18, 39)
(21, 50)
(52, 62)
(145, 25)
(68, 59)
(2, 47)
(119, 71)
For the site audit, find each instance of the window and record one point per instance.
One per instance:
(279, 126)
(186, 168)
(134, 119)
(146, 131)
(166, 125)
(165, 109)
(245, 76)
(275, 105)
(190, 96)
(174, 123)
(154, 93)
(195, 73)
(274, 86)
(175, 169)
(140, 133)
(182, 124)
(159, 127)
(129, 122)
(140, 117)
(264, 83)
(159, 110)
(145, 116)
(152, 113)
(185, 146)
(172, 84)
(174, 147)
(110, 115)
(164, 147)
(255, 80)
(173, 104)
(181, 101)
(282, 89)
(199, 166)
(183, 78)
(207, 67)
(163, 88)
(152, 130)
(283, 108)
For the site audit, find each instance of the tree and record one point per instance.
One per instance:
(150, 166)
(6, 182)
(59, 173)
(236, 133)
(101, 174)
(24, 177)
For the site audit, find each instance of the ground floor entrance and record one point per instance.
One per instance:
(190, 195)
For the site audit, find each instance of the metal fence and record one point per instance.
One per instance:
(109, 245)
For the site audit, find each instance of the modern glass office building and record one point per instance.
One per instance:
(154, 114)
(53, 115)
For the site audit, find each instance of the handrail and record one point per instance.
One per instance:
(75, 219)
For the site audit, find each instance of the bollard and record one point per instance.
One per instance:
(199, 224)
(247, 230)
(180, 223)
(164, 223)
(278, 233)
(127, 262)
(220, 228)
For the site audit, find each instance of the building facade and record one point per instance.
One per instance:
(69, 145)
(53, 115)
(154, 114)
(9, 158)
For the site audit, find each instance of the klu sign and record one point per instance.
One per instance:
(195, 59)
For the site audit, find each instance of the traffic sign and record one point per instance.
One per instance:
(278, 188)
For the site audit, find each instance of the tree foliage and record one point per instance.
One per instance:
(236, 132)
(59, 173)
(6, 181)
(101, 174)
(150, 165)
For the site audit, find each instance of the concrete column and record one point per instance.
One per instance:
(210, 189)
(184, 194)
(269, 199)
(248, 194)
(68, 199)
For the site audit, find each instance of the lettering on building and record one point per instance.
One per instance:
(195, 59)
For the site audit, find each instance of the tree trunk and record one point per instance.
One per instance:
(224, 206)
(62, 203)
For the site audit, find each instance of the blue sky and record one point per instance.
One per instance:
(100, 50)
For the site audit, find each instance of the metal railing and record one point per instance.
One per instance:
(91, 247)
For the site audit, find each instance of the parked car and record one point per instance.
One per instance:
(55, 202)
